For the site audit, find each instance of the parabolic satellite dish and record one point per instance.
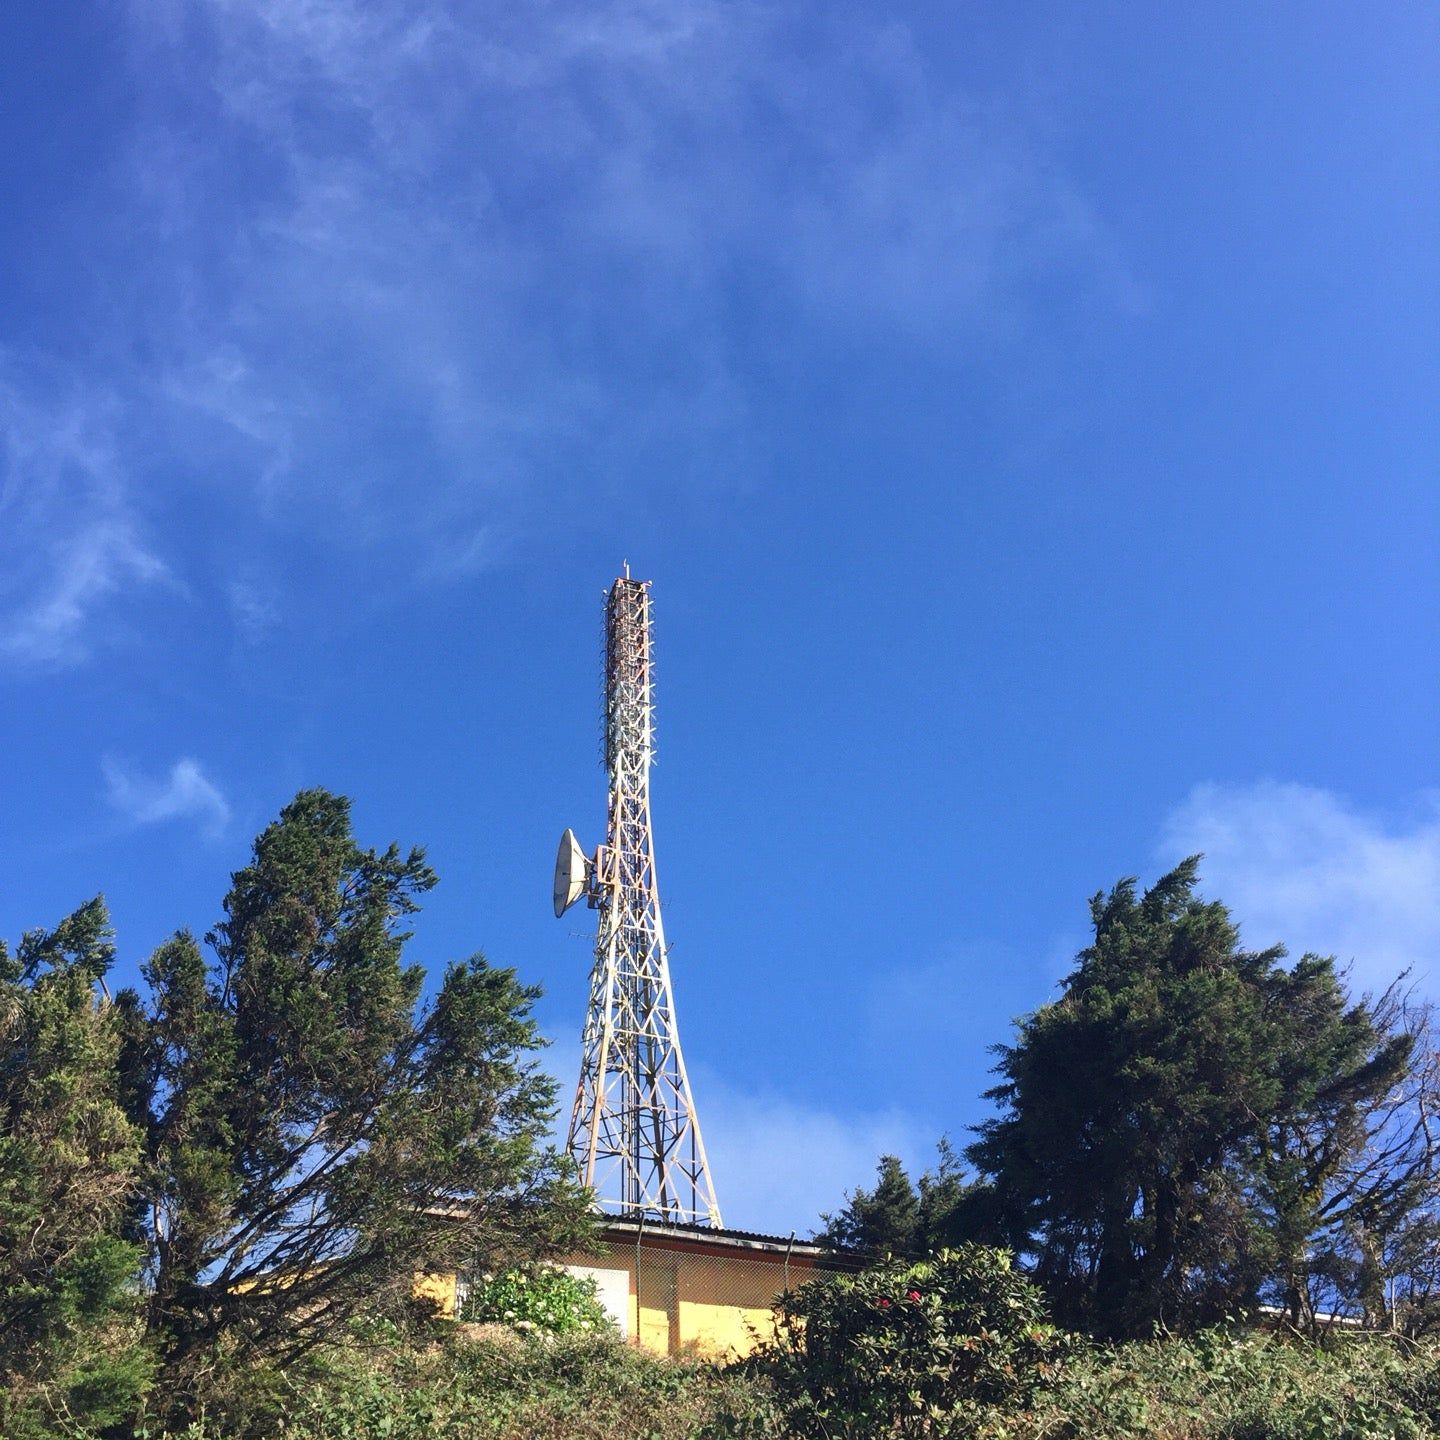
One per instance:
(570, 873)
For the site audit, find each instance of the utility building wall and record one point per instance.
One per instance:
(679, 1288)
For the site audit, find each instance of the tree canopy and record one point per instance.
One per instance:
(898, 1217)
(68, 1159)
(314, 1134)
(1168, 1127)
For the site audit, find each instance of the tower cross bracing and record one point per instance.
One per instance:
(633, 1132)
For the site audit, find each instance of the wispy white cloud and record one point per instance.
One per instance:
(71, 541)
(693, 137)
(395, 281)
(780, 1164)
(516, 236)
(186, 793)
(254, 608)
(221, 386)
(1307, 868)
(95, 559)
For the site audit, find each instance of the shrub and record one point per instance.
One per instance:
(925, 1349)
(1240, 1386)
(438, 1382)
(457, 1387)
(72, 1358)
(538, 1299)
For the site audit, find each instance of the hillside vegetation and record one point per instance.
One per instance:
(1207, 1204)
(1213, 1386)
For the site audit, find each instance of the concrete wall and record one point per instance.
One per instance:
(710, 1297)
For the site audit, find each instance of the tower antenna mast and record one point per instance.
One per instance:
(634, 1132)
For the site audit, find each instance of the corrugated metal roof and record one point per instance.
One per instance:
(716, 1235)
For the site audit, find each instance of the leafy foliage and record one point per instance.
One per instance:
(390, 1384)
(928, 1348)
(395, 1386)
(1220, 1385)
(1171, 1124)
(897, 1217)
(1372, 1227)
(313, 1136)
(68, 1277)
(885, 1220)
(539, 1299)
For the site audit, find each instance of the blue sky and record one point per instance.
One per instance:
(1026, 415)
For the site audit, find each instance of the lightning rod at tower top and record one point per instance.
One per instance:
(633, 1131)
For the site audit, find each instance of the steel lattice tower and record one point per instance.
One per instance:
(633, 1131)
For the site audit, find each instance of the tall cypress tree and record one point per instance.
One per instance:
(898, 1217)
(885, 1219)
(314, 1133)
(1148, 1149)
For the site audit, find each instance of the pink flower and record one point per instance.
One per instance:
(912, 1294)
(883, 1303)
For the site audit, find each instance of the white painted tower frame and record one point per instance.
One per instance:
(634, 1132)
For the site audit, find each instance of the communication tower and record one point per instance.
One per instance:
(633, 1131)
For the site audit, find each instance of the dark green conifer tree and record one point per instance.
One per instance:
(942, 1192)
(898, 1217)
(885, 1219)
(315, 1134)
(1168, 1126)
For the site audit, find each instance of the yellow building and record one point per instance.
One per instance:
(689, 1287)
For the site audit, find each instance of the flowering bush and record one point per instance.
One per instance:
(903, 1349)
(538, 1299)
